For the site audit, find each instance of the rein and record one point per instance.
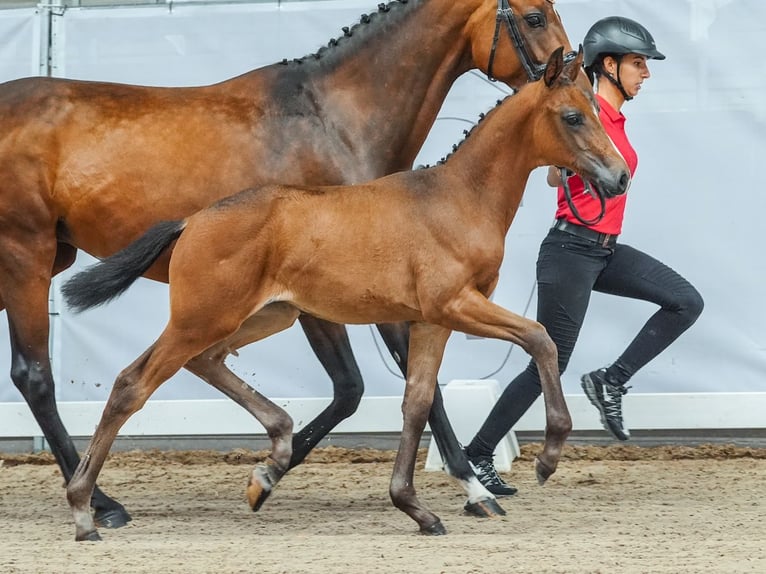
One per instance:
(568, 195)
(505, 15)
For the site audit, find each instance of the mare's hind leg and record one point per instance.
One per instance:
(24, 287)
(210, 366)
(426, 350)
(480, 502)
(331, 346)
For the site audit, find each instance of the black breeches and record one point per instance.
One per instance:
(569, 269)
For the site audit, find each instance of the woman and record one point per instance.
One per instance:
(576, 259)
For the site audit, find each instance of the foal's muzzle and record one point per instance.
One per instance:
(609, 188)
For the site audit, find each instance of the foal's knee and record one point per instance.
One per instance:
(540, 345)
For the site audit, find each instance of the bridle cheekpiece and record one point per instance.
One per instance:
(505, 16)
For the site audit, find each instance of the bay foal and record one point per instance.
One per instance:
(421, 246)
(91, 165)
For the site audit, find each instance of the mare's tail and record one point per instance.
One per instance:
(110, 277)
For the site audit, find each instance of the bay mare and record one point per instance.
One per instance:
(91, 166)
(422, 247)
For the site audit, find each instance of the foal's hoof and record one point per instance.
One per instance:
(262, 480)
(436, 529)
(487, 508)
(92, 536)
(112, 518)
(543, 471)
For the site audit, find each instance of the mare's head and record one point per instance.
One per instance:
(511, 39)
(568, 132)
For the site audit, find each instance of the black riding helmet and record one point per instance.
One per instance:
(616, 36)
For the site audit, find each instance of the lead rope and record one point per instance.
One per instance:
(570, 203)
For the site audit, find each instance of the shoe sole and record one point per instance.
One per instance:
(590, 391)
(510, 492)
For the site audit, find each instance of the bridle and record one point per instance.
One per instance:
(534, 73)
(505, 15)
(564, 174)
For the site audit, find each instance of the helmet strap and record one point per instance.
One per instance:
(616, 81)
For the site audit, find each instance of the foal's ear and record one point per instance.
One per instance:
(554, 67)
(573, 68)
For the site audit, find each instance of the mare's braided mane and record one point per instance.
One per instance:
(364, 21)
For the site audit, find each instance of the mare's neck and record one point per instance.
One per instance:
(383, 87)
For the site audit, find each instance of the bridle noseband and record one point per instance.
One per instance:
(505, 15)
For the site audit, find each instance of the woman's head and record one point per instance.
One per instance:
(617, 48)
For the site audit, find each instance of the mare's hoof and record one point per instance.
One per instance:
(436, 529)
(262, 480)
(543, 471)
(112, 518)
(487, 508)
(92, 536)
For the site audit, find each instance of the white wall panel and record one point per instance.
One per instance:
(698, 126)
(19, 43)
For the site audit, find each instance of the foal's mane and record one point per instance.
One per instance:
(467, 133)
(390, 13)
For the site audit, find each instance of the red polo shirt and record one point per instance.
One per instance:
(588, 207)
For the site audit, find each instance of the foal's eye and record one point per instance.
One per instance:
(536, 20)
(574, 119)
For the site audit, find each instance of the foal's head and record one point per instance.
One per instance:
(569, 132)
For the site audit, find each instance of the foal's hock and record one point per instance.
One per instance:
(422, 246)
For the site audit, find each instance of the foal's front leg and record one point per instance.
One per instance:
(481, 502)
(472, 313)
(426, 350)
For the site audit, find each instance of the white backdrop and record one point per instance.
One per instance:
(698, 125)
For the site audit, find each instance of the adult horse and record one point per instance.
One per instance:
(421, 246)
(90, 165)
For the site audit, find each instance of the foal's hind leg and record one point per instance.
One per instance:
(24, 287)
(210, 366)
(480, 502)
(132, 388)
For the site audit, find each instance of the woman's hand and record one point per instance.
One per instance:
(554, 175)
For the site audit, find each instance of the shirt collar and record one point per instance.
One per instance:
(613, 115)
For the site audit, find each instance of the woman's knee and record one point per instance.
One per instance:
(690, 304)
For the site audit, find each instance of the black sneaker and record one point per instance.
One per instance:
(484, 467)
(607, 398)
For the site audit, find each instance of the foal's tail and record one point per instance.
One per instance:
(110, 277)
